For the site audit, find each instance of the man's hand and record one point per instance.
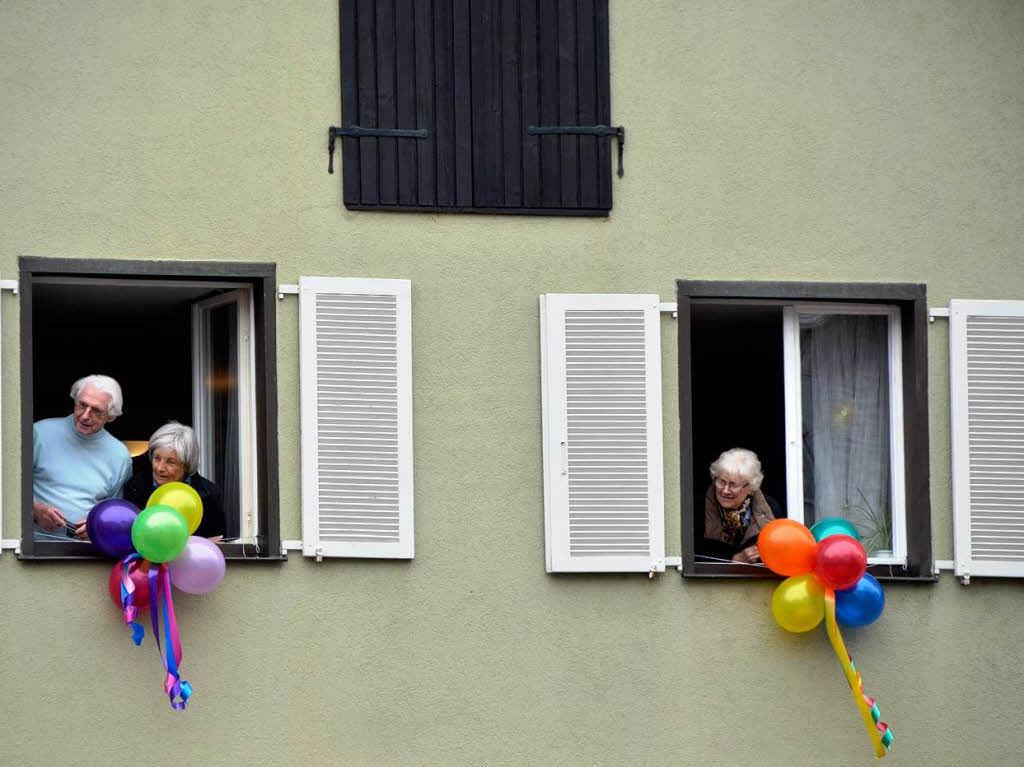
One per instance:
(48, 517)
(748, 555)
(79, 531)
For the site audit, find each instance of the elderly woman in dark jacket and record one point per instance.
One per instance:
(735, 509)
(174, 454)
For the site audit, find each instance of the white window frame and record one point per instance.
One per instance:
(794, 415)
(241, 296)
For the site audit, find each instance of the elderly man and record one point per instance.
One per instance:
(76, 463)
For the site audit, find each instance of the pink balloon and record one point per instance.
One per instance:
(199, 568)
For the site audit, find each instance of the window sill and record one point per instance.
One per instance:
(726, 570)
(233, 552)
(884, 573)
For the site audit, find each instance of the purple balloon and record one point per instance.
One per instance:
(109, 526)
(199, 568)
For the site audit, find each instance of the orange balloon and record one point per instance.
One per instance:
(787, 547)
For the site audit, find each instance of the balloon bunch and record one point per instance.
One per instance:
(155, 549)
(828, 580)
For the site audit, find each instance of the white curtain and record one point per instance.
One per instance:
(845, 396)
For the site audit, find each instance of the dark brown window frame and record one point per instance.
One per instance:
(911, 299)
(263, 279)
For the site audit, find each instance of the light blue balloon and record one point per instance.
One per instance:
(823, 528)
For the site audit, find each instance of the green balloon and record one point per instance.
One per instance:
(159, 533)
(823, 528)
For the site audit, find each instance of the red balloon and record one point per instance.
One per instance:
(840, 561)
(138, 574)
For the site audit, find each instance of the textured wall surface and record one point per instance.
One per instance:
(785, 139)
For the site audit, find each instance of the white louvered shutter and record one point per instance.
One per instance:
(601, 381)
(355, 369)
(986, 352)
(1, 521)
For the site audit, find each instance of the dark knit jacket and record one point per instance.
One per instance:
(140, 487)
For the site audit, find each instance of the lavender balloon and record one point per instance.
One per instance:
(109, 526)
(199, 568)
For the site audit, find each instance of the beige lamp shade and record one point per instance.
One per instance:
(136, 447)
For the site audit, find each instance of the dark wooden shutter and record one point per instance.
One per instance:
(475, 75)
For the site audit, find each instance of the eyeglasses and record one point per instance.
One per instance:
(724, 484)
(85, 409)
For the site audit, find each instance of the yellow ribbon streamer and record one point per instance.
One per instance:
(852, 675)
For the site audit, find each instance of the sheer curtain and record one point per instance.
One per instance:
(845, 397)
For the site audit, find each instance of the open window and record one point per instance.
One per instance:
(187, 341)
(827, 384)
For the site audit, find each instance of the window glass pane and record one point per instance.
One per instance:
(224, 408)
(844, 361)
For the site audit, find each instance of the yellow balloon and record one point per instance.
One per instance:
(798, 603)
(182, 497)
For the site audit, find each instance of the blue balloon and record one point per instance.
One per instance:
(862, 604)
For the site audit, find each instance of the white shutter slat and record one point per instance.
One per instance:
(601, 381)
(355, 370)
(987, 414)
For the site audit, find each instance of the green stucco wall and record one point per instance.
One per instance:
(784, 140)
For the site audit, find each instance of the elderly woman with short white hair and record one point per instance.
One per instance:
(735, 509)
(174, 457)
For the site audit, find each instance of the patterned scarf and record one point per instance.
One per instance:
(735, 521)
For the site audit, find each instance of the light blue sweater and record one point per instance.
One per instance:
(74, 472)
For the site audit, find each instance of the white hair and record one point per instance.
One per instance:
(179, 438)
(105, 384)
(739, 461)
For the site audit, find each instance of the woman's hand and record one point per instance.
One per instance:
(748, 555)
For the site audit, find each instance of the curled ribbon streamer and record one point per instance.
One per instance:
(160, 601)
(881, 738)
(128, 600)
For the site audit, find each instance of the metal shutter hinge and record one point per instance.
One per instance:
(657, 565)
(603, 131)
(354, 131)
(319, 553)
